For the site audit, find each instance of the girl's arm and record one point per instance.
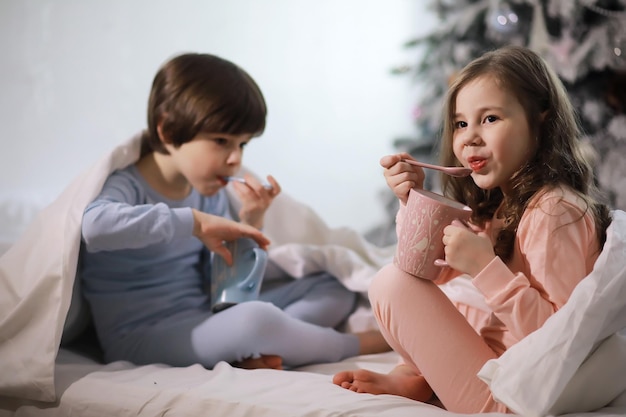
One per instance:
(557, 248)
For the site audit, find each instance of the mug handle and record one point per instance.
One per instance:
(260, 261)
(440, 262)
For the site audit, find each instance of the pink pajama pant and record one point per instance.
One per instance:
(422, 325)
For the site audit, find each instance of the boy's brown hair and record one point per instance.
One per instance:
(194, 93)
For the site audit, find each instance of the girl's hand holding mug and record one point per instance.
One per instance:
(467, 250)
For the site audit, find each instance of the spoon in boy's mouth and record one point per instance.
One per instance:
(243, 181)
(453, 171)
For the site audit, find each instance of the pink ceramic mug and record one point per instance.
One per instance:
(420, 231)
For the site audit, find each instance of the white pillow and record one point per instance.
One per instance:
(576, 361)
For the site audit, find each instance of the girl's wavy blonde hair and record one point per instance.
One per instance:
(558, 160)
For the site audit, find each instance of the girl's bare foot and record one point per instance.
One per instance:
(400, 381)
(372, 342)
(262, 362)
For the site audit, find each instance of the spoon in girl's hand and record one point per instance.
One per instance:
(453, 171)
(266, 185)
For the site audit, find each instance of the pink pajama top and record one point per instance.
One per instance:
(555, 247)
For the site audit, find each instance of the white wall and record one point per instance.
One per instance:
(75, 77)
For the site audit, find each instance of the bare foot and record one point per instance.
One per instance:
(263, 362)
(400, 381)
(372, 342)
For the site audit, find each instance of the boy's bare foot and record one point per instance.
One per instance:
(372, 342)
(400, 381)
(263, 362)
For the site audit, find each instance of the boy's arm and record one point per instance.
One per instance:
(109, 225)
(119, 219)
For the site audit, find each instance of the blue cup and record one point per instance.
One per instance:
(240, 282)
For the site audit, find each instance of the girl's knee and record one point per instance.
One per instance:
(386, 283)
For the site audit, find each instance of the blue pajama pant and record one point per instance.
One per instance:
(294, 319)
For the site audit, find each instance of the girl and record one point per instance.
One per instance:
(535, 233)
(145, 239)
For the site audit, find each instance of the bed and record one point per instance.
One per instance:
(575, 365)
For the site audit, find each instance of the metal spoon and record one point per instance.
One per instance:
(454, 171)
(265, 185)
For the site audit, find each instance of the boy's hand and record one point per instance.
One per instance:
(401, 176)
(255, 199)
(214, 230)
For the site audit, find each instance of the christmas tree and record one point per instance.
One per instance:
(583, 40)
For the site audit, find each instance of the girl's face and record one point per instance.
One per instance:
(491, 133)
(203, 162)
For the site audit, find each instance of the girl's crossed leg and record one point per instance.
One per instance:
(435, 341)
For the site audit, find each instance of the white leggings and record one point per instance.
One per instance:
(295, 321)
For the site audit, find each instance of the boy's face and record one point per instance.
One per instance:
(204, 161)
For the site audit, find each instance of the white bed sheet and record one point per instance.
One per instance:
(88, 389)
